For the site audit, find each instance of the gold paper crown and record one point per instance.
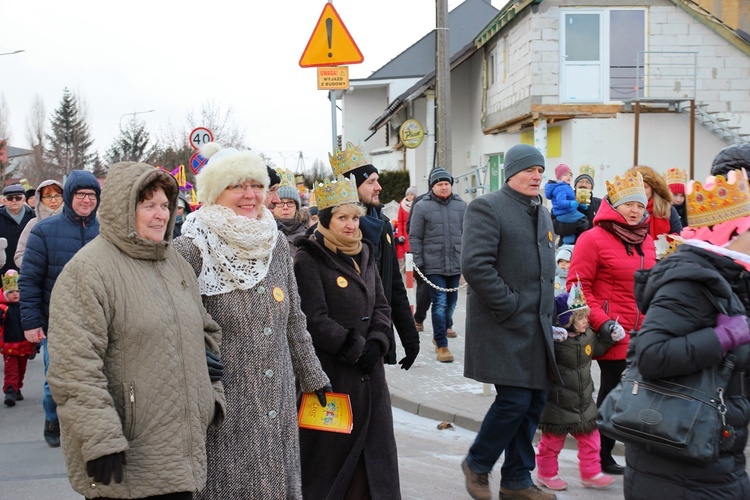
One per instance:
(586, 169)
(313, 200)
(287, 177)
(10, 281)
(332, 194)
(348, 159)
(718, 200)
(676, 176)
(628, 185)
(666, 244)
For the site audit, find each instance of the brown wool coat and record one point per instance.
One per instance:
(334, 299)
(265, 344)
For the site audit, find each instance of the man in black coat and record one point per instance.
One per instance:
(376, 228)
(13, 219)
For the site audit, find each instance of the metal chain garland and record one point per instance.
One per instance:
(433, 285)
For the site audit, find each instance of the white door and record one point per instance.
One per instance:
(583, 57)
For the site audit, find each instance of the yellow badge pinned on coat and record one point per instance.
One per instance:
(549, 235)
(388, 237)
(278, 294)
(587, 349)
(341, 282)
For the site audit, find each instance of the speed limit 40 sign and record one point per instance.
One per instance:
(200, 136)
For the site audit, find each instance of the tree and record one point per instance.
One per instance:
(317, 172)
(34, 166)
(4, 132)
(131, 144)
(100, 170)
(70, 141)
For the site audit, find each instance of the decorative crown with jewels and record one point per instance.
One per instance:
(287, 177)
(576, 298)
(587, 169)
(718, 200)
(10, 281)
(332, 194)
(676, 176)
(625, 186)
(313, 202)
(350, 158)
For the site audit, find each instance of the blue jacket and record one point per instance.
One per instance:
(561, 195)
(52, 243)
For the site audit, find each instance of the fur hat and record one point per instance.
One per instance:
(226, 167)
(439, 174)
(561, 170)
(290, 193)
(655, 181)
(520, 157)
(565, 252)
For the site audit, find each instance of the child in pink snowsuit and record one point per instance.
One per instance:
(571, 408)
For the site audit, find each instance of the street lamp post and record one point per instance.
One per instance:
(133, 114)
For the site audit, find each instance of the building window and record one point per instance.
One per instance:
(598, 53)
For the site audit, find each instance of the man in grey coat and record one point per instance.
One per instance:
(435, 239)
(508, 261)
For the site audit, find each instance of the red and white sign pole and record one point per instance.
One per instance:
(410, 290)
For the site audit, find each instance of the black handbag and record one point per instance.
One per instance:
(681, 417)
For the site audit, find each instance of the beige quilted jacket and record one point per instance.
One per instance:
(127, 342)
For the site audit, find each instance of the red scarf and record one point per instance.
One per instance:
(658, 225)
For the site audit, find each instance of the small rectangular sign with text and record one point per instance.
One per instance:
(333, 78)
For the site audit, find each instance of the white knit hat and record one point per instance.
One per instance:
(565, 252)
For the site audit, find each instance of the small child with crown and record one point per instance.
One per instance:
(564, 204)
(13, 345)
(571, 408)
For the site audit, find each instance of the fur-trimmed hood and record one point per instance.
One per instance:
(655, 180)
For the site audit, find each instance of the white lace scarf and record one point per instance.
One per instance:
(236, 250)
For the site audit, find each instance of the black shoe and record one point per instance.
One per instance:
(19, 396)
(10, 397)
(614, 468)
(52, 433)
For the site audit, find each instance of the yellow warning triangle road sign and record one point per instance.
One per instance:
(330, 43)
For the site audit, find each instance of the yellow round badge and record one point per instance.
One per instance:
(587, 349)
(278, 294)
(549, 234)
(388, 237)
(341, 281)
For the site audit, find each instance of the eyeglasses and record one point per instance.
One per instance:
(56, 197)
(241, 188)
(15, 197)
(79, 196)
(285, 204)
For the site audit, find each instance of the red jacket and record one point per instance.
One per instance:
(607, 274)
(403, 217)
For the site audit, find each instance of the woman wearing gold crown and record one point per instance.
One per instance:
(349, 319)
(686, 331)
(663, 217)
(605, 259)
(245, 276)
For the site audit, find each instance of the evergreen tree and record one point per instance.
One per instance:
(70, 142)
(131, 144)
(100, 168)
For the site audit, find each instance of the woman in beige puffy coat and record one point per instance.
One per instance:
(128, 339)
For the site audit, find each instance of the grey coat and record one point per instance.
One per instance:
(435, 234)
(509, 263)
(265, 345)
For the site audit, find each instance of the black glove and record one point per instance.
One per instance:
(348, 345)
(103, 469)
(321, 393)
(370, 356)
(215, 368)
(411, 354)
(400, 240)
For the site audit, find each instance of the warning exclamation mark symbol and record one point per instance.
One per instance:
(329, 31)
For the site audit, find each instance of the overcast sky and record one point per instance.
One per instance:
(172, 56)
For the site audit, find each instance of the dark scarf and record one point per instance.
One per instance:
(630, 235)
(289, 226)
(372, 227)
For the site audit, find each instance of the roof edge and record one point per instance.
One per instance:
(502, 19)
(714, 24)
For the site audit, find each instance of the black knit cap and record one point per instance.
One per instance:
(275, 179)
(361, 174)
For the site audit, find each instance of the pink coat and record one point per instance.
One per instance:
(607, 274)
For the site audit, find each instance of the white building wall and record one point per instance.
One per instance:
(360, 107)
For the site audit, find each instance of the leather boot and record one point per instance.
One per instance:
(444, 355)
(52, 433)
